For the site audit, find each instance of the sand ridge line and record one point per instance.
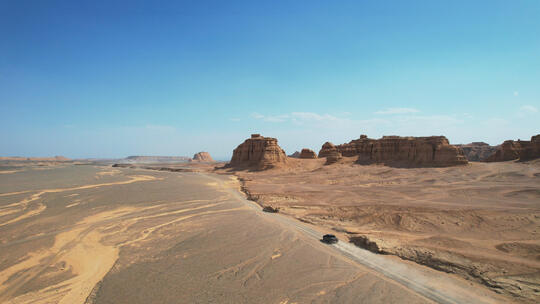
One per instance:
(73, 204)
(221, 199)
(128, 222)
(23, 204)
(108, 172)
(10, 171)
(15, 193)
(150, 230)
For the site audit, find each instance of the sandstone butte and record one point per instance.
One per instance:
(307, 153)
(477, 151)
(327, 149)
(433, 151)
(258, 152)
(203, 157)
(520, 149)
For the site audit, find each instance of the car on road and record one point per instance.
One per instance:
(329, 239)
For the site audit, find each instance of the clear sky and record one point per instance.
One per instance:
(96, 79)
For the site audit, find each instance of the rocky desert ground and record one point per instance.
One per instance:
(480, 221)
(73, 233)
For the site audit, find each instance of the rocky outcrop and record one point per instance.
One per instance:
(477, 151)
(327, 149)
(258, 152)
(433, 151)
(308, 153)
(532, 150)
(333, 157)
(364, 242)
(520, 149)
(203, 157)
(296, 154)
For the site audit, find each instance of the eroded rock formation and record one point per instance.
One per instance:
(258, 152)
(333, 157)
(296, 154)
(308, 153)
(477, 151)
(433, 151)
(520, 149)
(327, 149)
(202, 157)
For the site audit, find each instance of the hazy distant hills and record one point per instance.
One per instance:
(19, 158)
(155, 159)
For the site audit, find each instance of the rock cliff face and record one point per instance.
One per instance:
(258, 152)
(433, 151)
(308, 153)
(202, 157)
(520, 149)
(477, 151)
(532, 150)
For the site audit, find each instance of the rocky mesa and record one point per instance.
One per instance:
(258, 152)
(521, 149)
(432, 151)
(203, 157)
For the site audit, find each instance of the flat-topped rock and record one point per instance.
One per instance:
(203, 157)
(258, 152)
(432, 151)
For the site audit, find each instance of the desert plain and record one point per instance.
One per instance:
(185, 233)
(480, 221)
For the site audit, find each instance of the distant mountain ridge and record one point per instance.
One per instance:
(21, 158)
(155, 159)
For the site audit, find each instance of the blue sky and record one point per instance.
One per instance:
(95, 79)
